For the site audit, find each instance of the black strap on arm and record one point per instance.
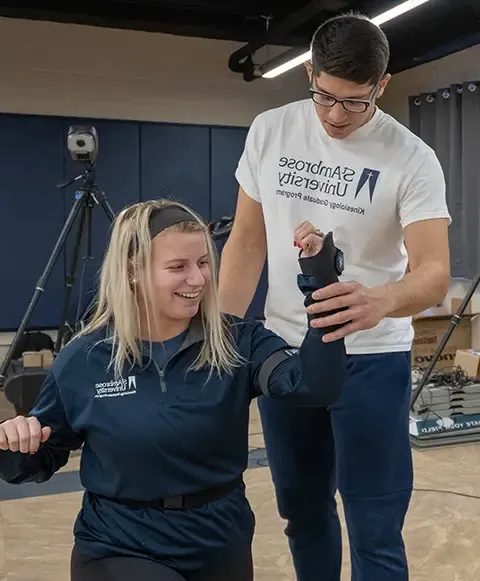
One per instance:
(269, 366)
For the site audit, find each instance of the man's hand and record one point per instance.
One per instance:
(363, 308)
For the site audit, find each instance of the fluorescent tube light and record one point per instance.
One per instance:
(398, 11)
(291, 64)
(378, 20)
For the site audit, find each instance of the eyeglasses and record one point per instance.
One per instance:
(350, 105)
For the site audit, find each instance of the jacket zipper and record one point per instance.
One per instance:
(163, 385)
(161, 372)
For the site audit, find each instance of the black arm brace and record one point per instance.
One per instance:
(324, 268)
(318, 271)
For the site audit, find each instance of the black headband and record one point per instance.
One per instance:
(165, 217)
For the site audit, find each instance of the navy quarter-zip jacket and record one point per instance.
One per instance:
(163, 431)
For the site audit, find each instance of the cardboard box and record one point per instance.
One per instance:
(43, 358)
(455, 305)
(32, 359)
(47, 358)
(469, 361)
(430, 328)
(475, 332)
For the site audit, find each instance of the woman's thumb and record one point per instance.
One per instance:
(46, 431)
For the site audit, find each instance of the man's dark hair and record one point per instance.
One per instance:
(350, 47)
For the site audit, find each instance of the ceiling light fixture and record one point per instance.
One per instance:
(378, 20)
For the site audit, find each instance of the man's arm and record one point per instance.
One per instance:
(424, 216)
(428, 279)
(243, 257)
(425, 284)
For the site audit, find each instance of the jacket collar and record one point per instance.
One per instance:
(195, 334)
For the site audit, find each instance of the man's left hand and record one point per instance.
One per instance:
(364, 308)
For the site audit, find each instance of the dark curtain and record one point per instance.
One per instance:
(449, 121)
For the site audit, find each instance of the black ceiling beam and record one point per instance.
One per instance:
(241, 60)
(168, 21)
(115, 21)
(425, 40)
(417, 57)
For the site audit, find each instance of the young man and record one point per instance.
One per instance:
(341, 163)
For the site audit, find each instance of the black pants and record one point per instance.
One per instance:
(83, 568)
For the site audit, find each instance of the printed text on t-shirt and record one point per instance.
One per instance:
(320, 178)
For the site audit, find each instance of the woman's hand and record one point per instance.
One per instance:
(308, 238)
(23, 435)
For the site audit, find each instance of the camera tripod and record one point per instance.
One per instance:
(85, 198)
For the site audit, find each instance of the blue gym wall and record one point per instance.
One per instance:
(136, 161)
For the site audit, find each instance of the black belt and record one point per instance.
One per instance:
(194, 500)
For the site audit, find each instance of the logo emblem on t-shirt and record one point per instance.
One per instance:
(116, 387)
(369, 176)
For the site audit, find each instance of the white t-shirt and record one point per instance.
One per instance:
(365, 189)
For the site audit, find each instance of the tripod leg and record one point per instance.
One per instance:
(70, 281)
(40, 286)
(89, 255)
(89, 230)
(101, 199)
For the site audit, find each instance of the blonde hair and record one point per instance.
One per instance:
(117, 308)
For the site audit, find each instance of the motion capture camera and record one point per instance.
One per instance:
(82, 143)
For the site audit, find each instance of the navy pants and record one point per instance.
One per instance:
(236, 567)
(360, 446)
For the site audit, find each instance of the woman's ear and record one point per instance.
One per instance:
(132, 277)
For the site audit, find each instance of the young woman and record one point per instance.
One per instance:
(157, 390)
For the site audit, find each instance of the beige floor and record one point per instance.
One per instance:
(442, 530)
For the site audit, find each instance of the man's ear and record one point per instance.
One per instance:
(309, 69)
(383, 85)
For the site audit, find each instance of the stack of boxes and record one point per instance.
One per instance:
(463, 347)
(453, 408)
(37, 359)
